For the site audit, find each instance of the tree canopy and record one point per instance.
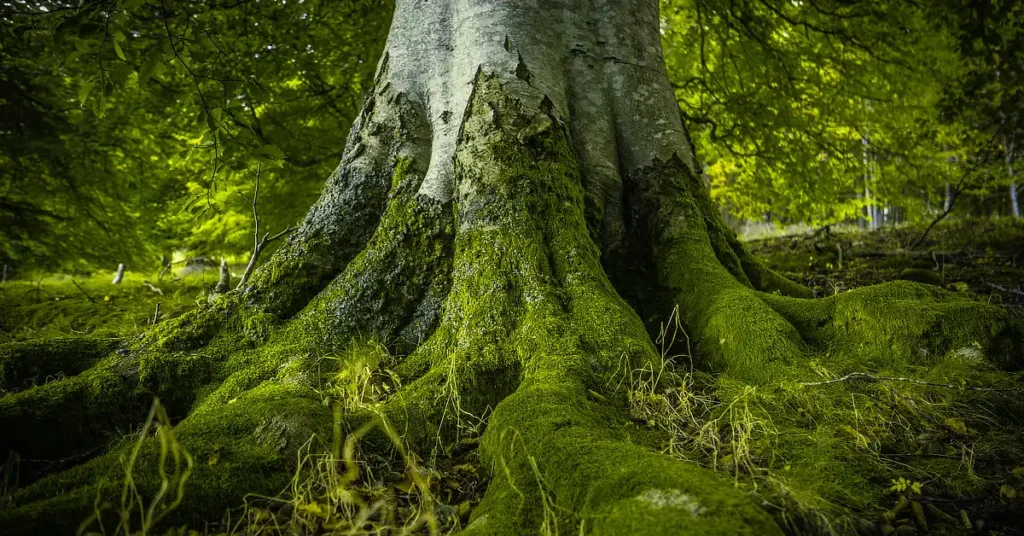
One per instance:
(133, 128)
(136, 127)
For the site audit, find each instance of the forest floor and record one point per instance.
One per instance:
(905, 446)
(91, 306)
(982, 257)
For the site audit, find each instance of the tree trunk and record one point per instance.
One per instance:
(224, 280)
(119, 275)
(1014, 205)
(516, 210)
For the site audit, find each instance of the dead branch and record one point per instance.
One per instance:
(864, 376)
(259, 244)
(1007, 290)
(153, 287)
(945, 212)
(87, 296)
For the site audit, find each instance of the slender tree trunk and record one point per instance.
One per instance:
(119, 276)
(1014, 206)
(224, 281)
(516, 210)
(869, 208)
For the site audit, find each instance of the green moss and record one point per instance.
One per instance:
(779, 435)
(30, 363)
(558, 451)
(58, 418)
(921, 275)
(57, 308)
(400, 173)
(531, 307)
(246, 446)
(905, 322)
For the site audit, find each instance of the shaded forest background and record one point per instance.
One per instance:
(138, 131)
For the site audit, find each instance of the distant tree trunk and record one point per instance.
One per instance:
(1014, 206)
(870, 216)
(516, 211)
(119, 276)
(862, 220)
(224, 281)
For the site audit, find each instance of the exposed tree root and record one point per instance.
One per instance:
(497, 309)
(27, 364)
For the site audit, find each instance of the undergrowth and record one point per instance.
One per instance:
(344, 490)
(138, 515)
(902, 449)
(66, 306)
(336, 488)
(983, 257)
(907, 449)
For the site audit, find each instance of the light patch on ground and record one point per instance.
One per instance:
(671, 498)
(969, 353)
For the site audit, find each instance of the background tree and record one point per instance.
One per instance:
(161, 120)
(820, 112)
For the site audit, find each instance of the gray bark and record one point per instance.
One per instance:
(869, 213)
(119, 276)
(1014, 205)
(596, 63)
(224, 282)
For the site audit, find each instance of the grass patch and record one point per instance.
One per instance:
(65, 306)
(925, 449)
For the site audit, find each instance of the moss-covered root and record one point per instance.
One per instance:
(26, 364)
(729, 251)
(79, 413)
(62, 417)
(565, 462)
(905, 323)
(760, 337)
(530, 304)
(250, 445)
(390, 129)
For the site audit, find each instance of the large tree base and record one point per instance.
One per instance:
(502, 318)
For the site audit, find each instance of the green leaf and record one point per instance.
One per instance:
(271, 152)
(117, 49)
(150, 67)
(213, 119)
(232, 86)
(120, 72)
(83, 91)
